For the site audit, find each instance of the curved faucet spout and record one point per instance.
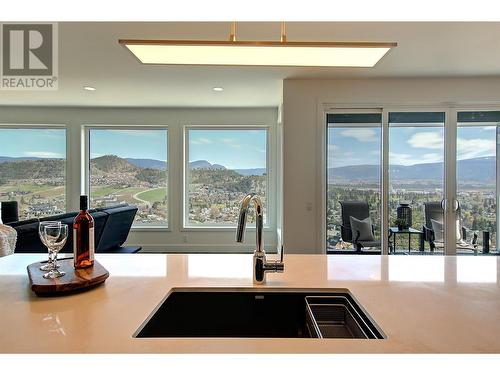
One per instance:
(260, 264)
(259, 220)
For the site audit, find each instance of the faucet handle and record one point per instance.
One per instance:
(275, 265)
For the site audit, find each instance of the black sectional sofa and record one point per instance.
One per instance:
(111, 228)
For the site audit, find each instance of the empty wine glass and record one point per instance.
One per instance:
(56, 239)
(41, 225)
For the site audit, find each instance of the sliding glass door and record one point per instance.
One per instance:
(354, 181)
(428, 181)
(416, 182)
(476, 201)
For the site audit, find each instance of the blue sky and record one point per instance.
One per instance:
(408, 145)
(247, 149)
(234, 149)
(231, 148)
(42, 143)
(137, 144)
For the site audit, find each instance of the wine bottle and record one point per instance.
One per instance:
(83, 236)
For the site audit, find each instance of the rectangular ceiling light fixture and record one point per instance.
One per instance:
(255, 53)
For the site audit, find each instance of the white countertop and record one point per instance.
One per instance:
(422, 303)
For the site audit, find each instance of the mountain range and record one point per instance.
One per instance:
(477, 169)
(481, 170)
(112, 163)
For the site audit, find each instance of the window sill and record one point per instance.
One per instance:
(151, 228)
(222, 229)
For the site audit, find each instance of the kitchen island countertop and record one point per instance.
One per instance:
(423, 304)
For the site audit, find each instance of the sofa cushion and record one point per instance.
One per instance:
(117, 227)
(23, 222)
(115, 235)
(28, 240)
(112, 207)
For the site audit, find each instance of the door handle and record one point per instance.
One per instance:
(444, 205)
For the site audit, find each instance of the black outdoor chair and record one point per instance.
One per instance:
(434, 211)
(359, 210)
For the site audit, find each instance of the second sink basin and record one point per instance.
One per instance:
(274, 313)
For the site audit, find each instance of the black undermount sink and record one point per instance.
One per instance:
(259, 313)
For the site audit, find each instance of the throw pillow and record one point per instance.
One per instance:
(364, 227)
(459, 231)
(437, 227)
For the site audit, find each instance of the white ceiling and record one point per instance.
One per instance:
(89, 54)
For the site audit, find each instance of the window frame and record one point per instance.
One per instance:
(270, 224)
(85, 172)
(67, 146)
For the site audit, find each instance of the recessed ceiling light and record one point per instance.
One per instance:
(218, 89)
(89, 88)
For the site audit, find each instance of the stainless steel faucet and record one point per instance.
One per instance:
(260, 264)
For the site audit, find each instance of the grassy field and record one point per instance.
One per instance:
(127, 194)
(48, 191)
(154, 195)
(101, 191)
(29, 187)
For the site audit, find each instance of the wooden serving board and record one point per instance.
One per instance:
(74, 280)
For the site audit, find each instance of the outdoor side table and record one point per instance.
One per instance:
(394, 231)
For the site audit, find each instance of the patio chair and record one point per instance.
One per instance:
(433, 211)
(358, 210)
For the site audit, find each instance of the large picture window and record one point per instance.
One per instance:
(222, 166)
(33, 170)
(129, 165)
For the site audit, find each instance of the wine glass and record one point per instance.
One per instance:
(56, 239)
(41, 225)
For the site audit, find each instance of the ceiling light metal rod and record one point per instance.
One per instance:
(232, 32)
(283, 32)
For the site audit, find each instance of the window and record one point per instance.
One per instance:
(33, 170)
(353, 173)
(222, 166)
(129, 165)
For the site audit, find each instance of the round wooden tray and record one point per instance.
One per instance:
(74, 280)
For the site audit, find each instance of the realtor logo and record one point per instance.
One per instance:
(28, 56)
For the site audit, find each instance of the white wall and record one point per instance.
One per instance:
(173, 239)
(302, 148)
